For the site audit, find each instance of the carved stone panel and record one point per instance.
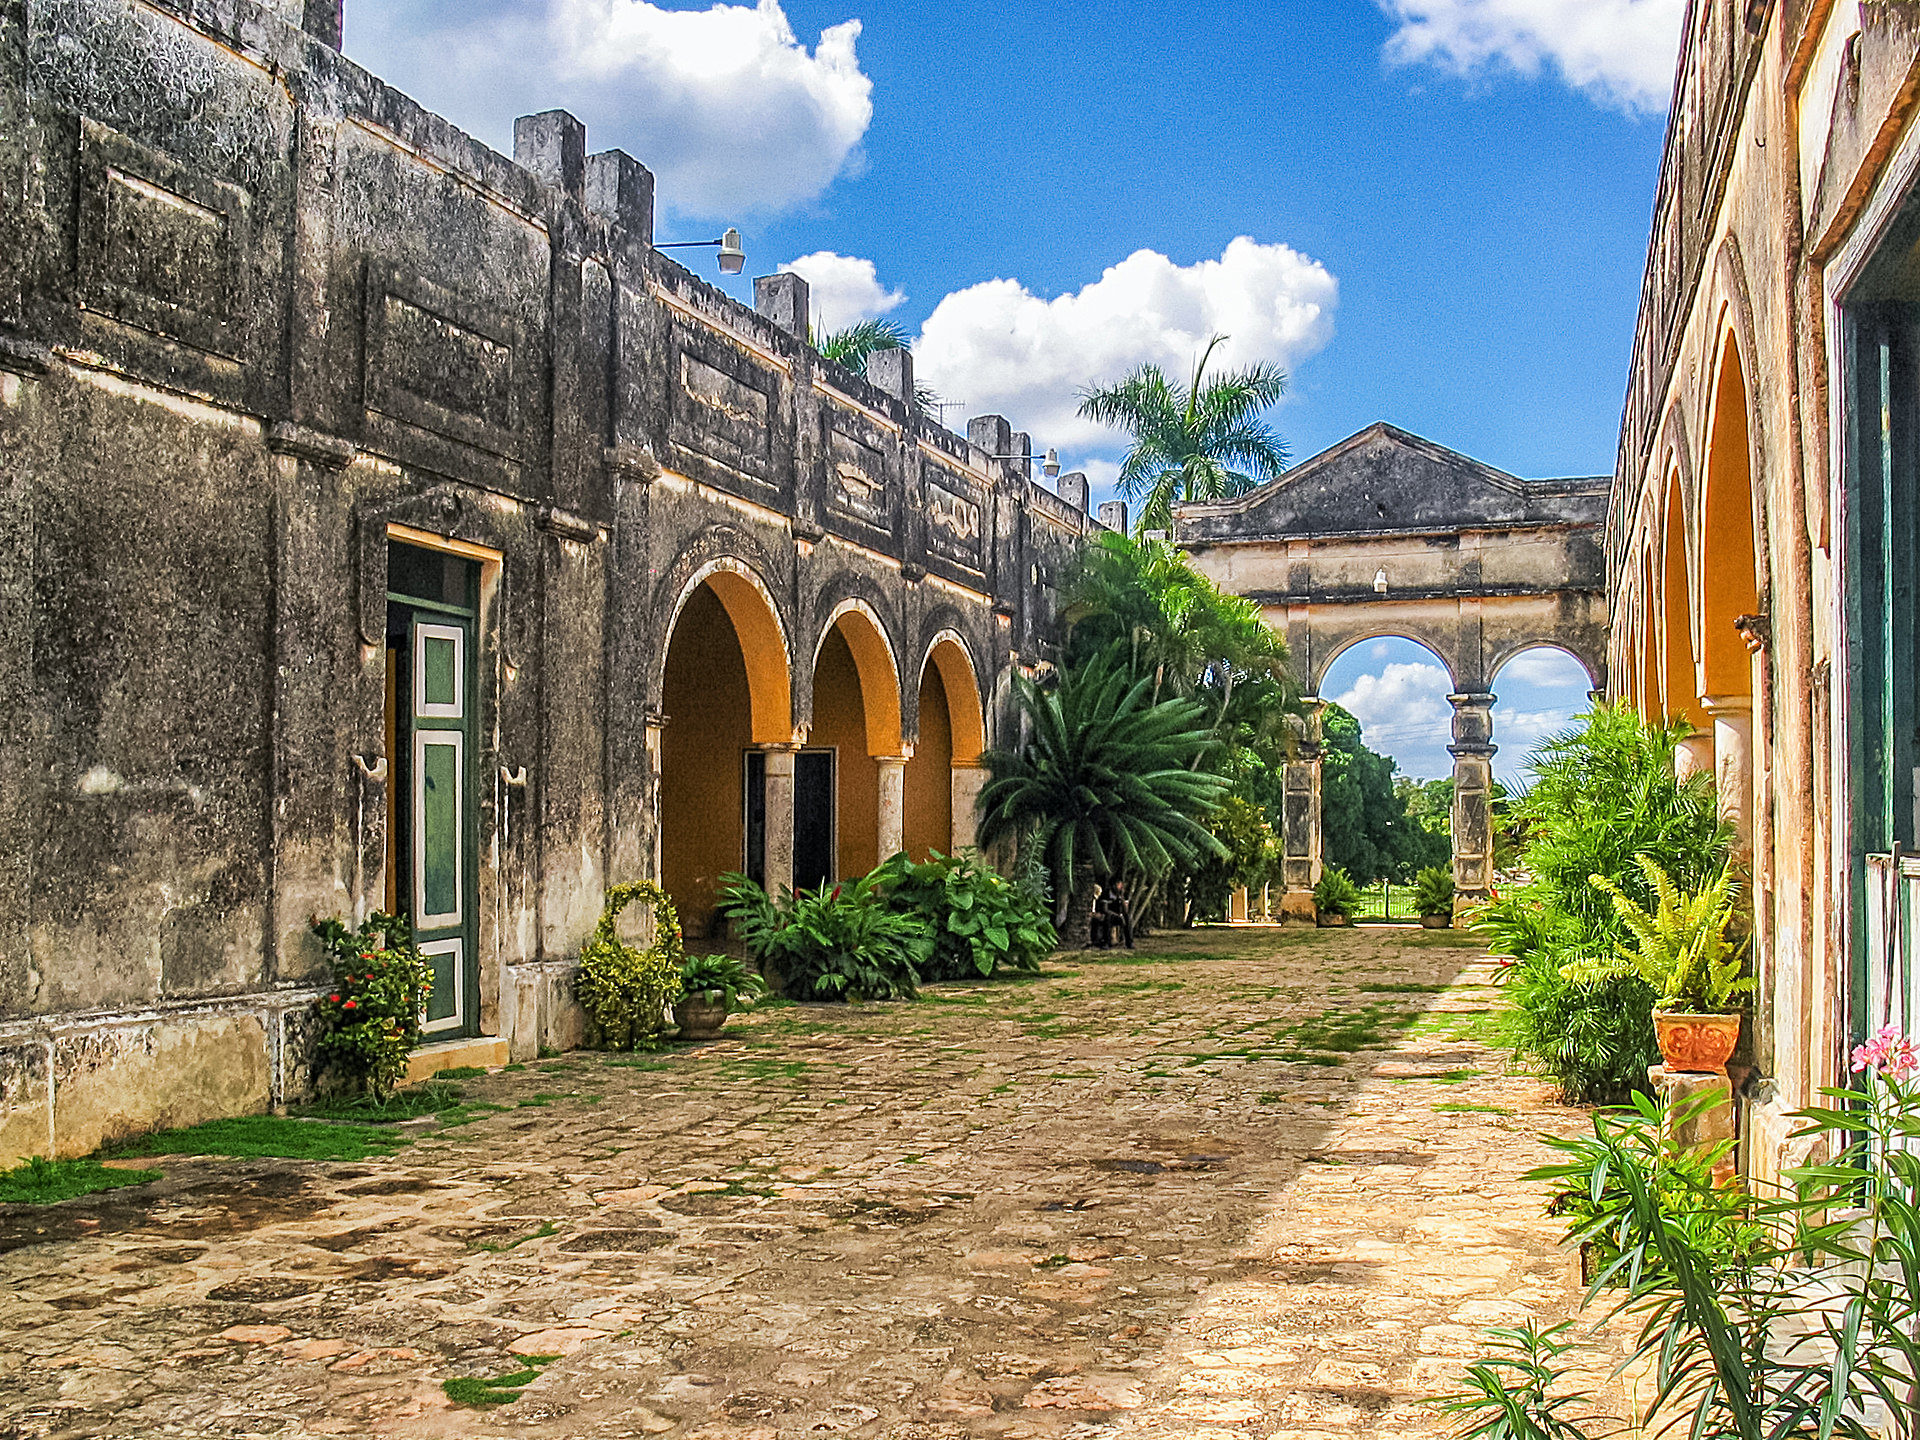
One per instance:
(954, 528)
(722, 409)
(159, 246)
(856, 478)
(441, 363)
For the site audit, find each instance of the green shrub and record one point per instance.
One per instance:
(1603, 794)
(981, 921)
(720, 980)
(1433, 891)
(625, 989)
(1681, 949)
(1336, 894)
(839, 942)
(370, 1020)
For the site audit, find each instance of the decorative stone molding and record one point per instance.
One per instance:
(637, 463)
(566, 525)
(316, 447)
(24, 357)
(1755, 630)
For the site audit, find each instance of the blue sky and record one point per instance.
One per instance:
(1434, 212)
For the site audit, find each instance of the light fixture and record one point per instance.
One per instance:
(1050, 467)
(733, 259)
(1380, 582)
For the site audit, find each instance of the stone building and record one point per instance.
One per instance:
(1760, 540)
(388, 524)
(1389, 534)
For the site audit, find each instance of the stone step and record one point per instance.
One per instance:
(490, 1050)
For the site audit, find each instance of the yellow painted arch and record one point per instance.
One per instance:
(1729, 537)
(873, 658)
(763, 643)
(949, 655)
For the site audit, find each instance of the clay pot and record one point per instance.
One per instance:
(1698, 1043)
(699, 1019)
(1436, 922)
(1332, 919)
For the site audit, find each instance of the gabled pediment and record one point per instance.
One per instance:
(1385, 480)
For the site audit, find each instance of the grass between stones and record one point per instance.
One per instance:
(500, 1389)
(256, 1136)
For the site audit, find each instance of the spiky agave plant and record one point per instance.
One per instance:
(1102, 783)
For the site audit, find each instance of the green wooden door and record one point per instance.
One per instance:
(442, 806)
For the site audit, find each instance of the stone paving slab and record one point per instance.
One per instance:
(1246, 1182)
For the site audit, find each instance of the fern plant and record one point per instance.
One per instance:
(1433, 891)
(1680, 948)
(1336, 894)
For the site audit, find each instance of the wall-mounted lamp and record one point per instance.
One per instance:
(732, 258)
(1380, 582)
(1049, 463)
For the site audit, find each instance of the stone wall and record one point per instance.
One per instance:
(259, 312)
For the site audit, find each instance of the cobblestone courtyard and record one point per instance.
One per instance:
(1244, 1183)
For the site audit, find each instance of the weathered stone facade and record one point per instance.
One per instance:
(262, 320)
(1389, 534)
(1757, 543)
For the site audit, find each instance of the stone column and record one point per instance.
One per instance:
(1473, 751)
(1732, 717)
(1300, 822)
(968, 782)
(1693, 754)
(1711, 1124)
(893, 803)
(779, 856)
(656, 735)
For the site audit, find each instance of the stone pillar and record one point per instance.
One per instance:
(1693, 755)
(893, 803)
(1237, 905)
(968, 782)
(656, 731)
(1300, 822)
(779, 857)
(1732, 717)
(1473, 751)
(1711, 1125)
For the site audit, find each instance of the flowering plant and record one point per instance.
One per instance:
(370, 1019)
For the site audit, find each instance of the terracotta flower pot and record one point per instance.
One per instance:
(699, 1019)
(1698, 1043)
(1332, 919)
(1436, 922)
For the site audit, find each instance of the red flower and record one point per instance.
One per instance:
(334, 998)
(350, 1004)
(836, 892)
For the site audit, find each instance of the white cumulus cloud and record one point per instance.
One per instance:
(1545, 667)
(732, 111)
(999, 348)
(844, 289)
(1622, 52)
(1516, 732)
(1403, 709)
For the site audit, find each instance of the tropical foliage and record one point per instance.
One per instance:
(1201, 441)
(625, 989)
(1603, 794)
(1336, 894)
(1365, 825)
(1796, 1318)
(981, 921)
(1433, 891)
(854, 346)
(840, 942)
(370, 1019)
(1105, 783)
(1252, 854)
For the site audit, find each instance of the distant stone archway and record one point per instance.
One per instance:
(1389, 534)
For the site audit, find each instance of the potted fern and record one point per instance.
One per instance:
(712, 988)
(1336, 896)
(1433, 897)
(1681, 949)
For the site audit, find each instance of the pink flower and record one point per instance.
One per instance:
(1889, 1052)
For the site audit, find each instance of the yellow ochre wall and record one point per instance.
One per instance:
(840, 721)
(708, 731)
(929, 780)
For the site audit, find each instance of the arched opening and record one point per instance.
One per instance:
(942, 777)
(1647, 665)
(725, 691)
(1541, 689)
(856, 719)
(1729, 553)
(1680, 685)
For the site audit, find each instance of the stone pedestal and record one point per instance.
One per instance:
(1693, 755)
(1473, 751)
(1300, 823)
(1711, 1124)
(779, 853)
(893, 804)
(1237, 905)
(1733, 763)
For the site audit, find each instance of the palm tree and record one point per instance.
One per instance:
(855, 345)
(1203, 442)
(1103, 784)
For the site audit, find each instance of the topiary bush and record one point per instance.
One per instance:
(370, 1020)
(980, 920)
(625, 989)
